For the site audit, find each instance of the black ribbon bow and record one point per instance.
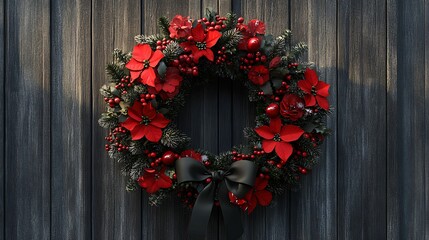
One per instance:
(238, 179)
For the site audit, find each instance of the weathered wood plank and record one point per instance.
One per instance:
(272, 222)
(313, 207)
(361, 120)
(27, 123)
(426, 236)
(71, 120)
(197, 121)
(127, 24)
(2, 120)
(406, 121)
(393, 206)
(103, 170)
(116, 213)
(426, 47)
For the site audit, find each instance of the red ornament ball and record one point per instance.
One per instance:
(168, 158)
(253, 44)
(272, 110)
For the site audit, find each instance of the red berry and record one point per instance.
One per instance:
(272, 110)
(117, 100)
(253, 44)
(240, 20)
(168, 158)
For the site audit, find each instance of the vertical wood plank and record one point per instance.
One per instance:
(2, 120)
(313, 207)
(27, 122)
(71, 120)
(426, 236)
(197, 122)
(272, 222)
(116, 213)
(362, 119)
(406, 121)
(127, 24)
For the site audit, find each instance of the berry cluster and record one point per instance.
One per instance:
(250, 59)
(221, 57)
(162, 44)
(123, 84)
(145, 98)
(186, 65)
(115, 139)
(217, 25)
(167, 158)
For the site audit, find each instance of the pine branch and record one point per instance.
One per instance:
(172, 51)
(173, 138)
(115, 71)
(151, 39)
(164, 24)
(157, 198)
(298, 50)
(231, 21)
(108, 120)
(121, 57)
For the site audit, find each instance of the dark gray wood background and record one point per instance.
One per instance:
(56, 181)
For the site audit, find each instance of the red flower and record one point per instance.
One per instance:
(253, 28)
(201, 43)
(168, 86)
(144, 121)
(257, 195)
(180, 27)
(143, 62)
(153, 180)
(259, 75)
(170, 82)
(314, 90)
(192, 154)
(292, 107)
(278, 137)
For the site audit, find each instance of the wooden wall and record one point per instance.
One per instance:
(56, 181)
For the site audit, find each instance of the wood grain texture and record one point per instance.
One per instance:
(361, 120)
(71, 120)
(56, 181)
(116, 213)
(406, 100)
(273, 222)
(314, 22)
(27, 203)
(2, 120)
(426, 120)
(127, 24)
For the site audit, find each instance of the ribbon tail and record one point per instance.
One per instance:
(201, 213)
(231, 214)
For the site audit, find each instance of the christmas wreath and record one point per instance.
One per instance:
(148, 88)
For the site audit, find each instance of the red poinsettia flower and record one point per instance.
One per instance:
(315, 90)
(153, 180)
(254, 28)
(257, 195)
(277, 136)
(143, 62)
(192, 154)
(180, 27)
(259, 75)
(170, 82)
(292, 107)
(144, 121)
(168, 86)
(201, 43)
